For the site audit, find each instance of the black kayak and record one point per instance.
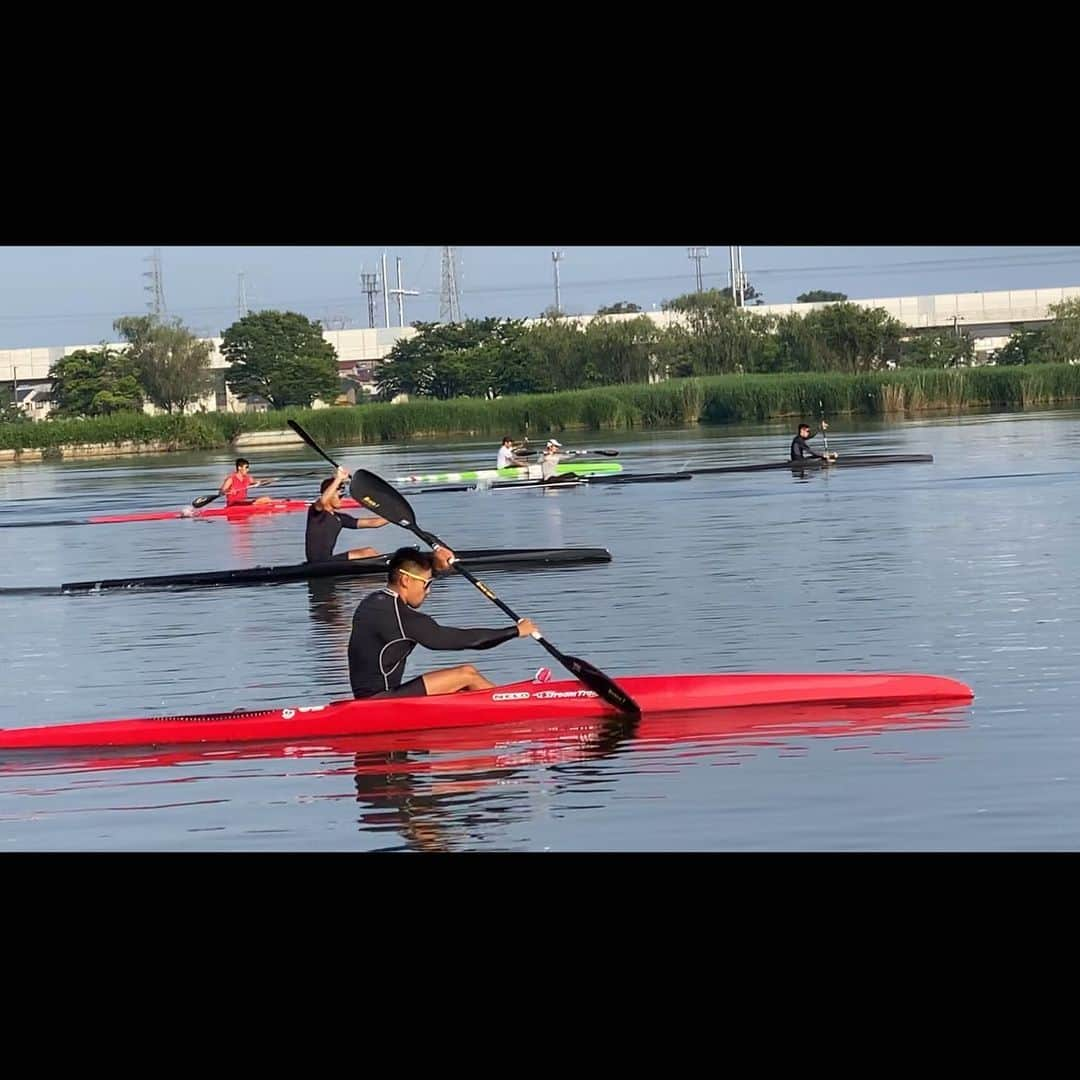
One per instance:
(479, 559)
(603, 480)
(817, 463)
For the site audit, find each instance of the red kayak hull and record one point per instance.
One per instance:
(517, 742)
(230, 513)
(517, 701)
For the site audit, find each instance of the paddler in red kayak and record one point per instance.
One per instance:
(325, 522)
(388, 625)
(235, 486)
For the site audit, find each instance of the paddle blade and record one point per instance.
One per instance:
(602, 685)
(376, 494)
(202, 500)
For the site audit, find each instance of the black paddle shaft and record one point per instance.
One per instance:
(312, 443)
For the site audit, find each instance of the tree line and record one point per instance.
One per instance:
(278, 356)
(283, 358)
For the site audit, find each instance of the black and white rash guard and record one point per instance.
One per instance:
(385, 631)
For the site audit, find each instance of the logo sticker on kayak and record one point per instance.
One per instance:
(288, 714)
(544, 695)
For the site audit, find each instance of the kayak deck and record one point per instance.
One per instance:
(817, 463)
(527, 700)
(480, 558)
(556, 484)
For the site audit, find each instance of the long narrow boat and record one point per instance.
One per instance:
(472, 754)
(525, 472)
(245, 512)
(481, 558)
(817, 463)
(564, 482)
(523, 700)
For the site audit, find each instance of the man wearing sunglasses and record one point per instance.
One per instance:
(388, 625)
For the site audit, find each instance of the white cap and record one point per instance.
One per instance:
(554, 442)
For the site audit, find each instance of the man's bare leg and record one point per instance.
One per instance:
(451, 680)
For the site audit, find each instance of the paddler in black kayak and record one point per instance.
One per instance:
(325, 522)
(388, 625)
(800, 449)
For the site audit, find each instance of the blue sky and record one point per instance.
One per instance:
(70, 295)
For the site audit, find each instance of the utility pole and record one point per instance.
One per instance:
(369, 283)
(399, 292)
(738, 278)
(241, 296)
(449, 294)
(556, 257)
(385, 299)
(156, 288)
(697, 254)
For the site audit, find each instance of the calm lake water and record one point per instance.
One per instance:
(966, 567)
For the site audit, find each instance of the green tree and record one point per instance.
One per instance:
(714, 336)
(937, 348)
(706, 300)
(474, 358)
(619, 351)
(555, 355)
(1025, 346)
(800, 345)
(857, 338)
(282, 357)
(12, 414)
(622, 307)
(817, 296)
(94, 382)
(172, 363)
(1060, 342)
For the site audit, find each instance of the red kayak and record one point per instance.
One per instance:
(516, 701)
(231, 513)
(513, 744)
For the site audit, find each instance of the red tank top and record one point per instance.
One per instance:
(237, 492)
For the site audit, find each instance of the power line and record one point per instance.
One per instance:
(1001, 262)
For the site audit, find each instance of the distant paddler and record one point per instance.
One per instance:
(549, 462)
(508, 455)
(235, 486)
(800, 449)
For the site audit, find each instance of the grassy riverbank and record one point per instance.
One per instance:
(718, 399)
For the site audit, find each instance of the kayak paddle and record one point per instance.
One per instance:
(376, 494)
(824, 434)
(312, 443)
(204, 500)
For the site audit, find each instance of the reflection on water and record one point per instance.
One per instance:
(450, 790)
